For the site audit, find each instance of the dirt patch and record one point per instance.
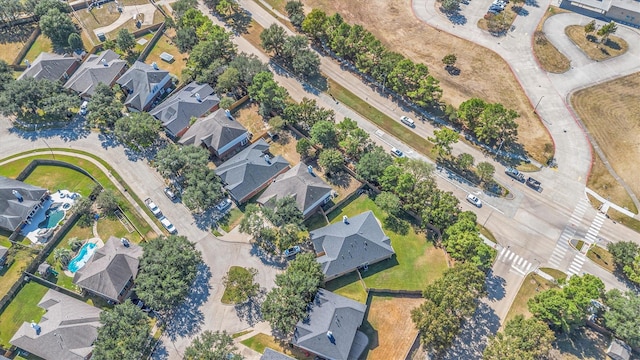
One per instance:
(393, 330)
(285, 145)
(13, 39)
(248, 116)
(602, 182)
(611, 113)
(595, 50)
(482, 73)
(549, 57)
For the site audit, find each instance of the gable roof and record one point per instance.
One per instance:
(215, 131)
(95, 71)
(49, 66)
(330, 326)
(270, 354)
(305, 187)
(67, 329)
(248, 170)
(110, 268)
(344, 247)
(176, 111)
(619, 350)
(13, 211)
(140, 80)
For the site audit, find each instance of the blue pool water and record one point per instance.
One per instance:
(83, 256)
(52, 219)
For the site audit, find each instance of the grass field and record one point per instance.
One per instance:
(549, 57)
(348, 286)
(602, 257)
(11, 42)
(417, 262)
(164, 44)
(42, 44)
(482, 74)
(531, 285)
(261, 341)
(24, 307)
(233, 272)
(615, 46)
(231, 219)
(389, 340)
(59, 178)
(611, 113)
(21, 259)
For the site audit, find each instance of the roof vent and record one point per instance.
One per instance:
(104, 62)
(310, 169)
(28, 63)
(267, 158)
(345, 219)
(35, 327)
(155, 65)
(125, 242)
(18, 196)
(198, 97)
(330, 337)
(228, 113)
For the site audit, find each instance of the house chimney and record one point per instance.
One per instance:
(35, 327)
(330, 337)
(310, 169)
(228, 113)
(267, 158)
(104, 62)
(155, 65)
(27, 63)
(345, 219)
(17, 194)
(198, 97)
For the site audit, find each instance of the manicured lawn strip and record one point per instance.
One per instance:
(348, 286)
(261, 341)
(531, 285)
(231, 219)
(389, 125)
(102, 178)
(486, 232)
(557, 274)
(631, 223)
(42, 44)
(602, 257)
(416, 264)
(9, 275)
(241, 333)
(24, 307)
(59, 178)
(111, 226)
(277, 5)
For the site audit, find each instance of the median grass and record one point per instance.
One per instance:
(602, 257)
(594, 49)
(555, 273)
(24, 307)
(235, 272)
(549, 57)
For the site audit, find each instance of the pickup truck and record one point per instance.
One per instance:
(534, 184)
(153, 207)
(514, 173)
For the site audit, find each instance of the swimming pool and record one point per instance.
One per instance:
(83, 256)
(52, 219)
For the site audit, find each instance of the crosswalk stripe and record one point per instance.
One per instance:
(511, 256)
(519, 261)
(519, 271)
(528, 267)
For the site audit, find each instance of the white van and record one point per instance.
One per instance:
(83, 108)
(407, 121)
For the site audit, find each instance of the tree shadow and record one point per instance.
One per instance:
(249, 310)
(239, 22)
(160, 351)
(472, 339)
(71, 131)
(16, 33)
(495, 286)
(454, 17)
(533, 3)
(521, 11)
(207, 219)
(339, 178)
(267, 258)
(583, 343)
(187, 318)
(612, 45)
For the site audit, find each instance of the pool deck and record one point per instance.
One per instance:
(30, 230)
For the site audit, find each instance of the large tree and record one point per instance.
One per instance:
(442, 210)
(57, 26)
(626, 256)
(43, 6)
(442, 140)
(167, 269)
(521, 339)
(295, 11)
(104, 109)
(314, 24)
(175, 160)
(125, 40)
(324, 133)
(212, 346)
(6, 75)
(123, 334)
(203, 189)
(273, 39)
(372, 164)
(37, 101)
(462, 241)
(331, 160)
(137, 130)
(268, 93)
(469, 112)
(623, 315)
(306, 114)
(239, 284)
(497, 124)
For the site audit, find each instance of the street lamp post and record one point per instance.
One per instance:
(536, 107)
(52, 154)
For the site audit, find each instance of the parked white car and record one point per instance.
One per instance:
(168, 225)
(474, 200)
(407, 121)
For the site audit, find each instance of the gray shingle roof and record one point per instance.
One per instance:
(344, 247)
(619, 350)
(13, 211)
(176, 111)
(215, 131)
(248, 170)
(270, 354)
(332, 313)
(306, 188)
(67, 329)
(94, 71)
(110, 268)
(140, 81)
(49, 66)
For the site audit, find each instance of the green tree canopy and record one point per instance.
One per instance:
(295, 11)
(212, 346)
(268, 93)
(324, 133)
(75, 41)
(138, 130)
(167, 269)
(389, 202)
(57, 26)
(373, 163)
(239, 284)
(521, 339)
(331, 160)
(125, 40)
(104, 109)
(107, 201)
(273, 39)
(623, 315)
(442, 140)
(123, 334)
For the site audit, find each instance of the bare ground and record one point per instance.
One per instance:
(390, 318)
(482, 74)
(611, 113)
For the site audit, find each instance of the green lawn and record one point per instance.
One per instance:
(261, 341)
(531, 285)
(417, 262)
(557, 274)
(165, 44)
(63, 280)
(42, 44)
(602, 257)
(24, 307)
(231, 219)
(111, 226)
(348, 286)
(22, 257)
(60, 178)
(233, 272)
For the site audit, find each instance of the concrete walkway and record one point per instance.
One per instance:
(128, 12)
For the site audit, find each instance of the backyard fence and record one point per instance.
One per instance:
(35, 163)
(25, 49)
(149, 46)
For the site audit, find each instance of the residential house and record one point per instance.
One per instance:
(4, 252)
(250, 171)
(111, 270)
(144, 84)
(622, 11)
(309, 190)
(192, 101)
(104, 68)
(330, 329)
(52, 67)
(18, 203)
(349, 244)
(66, 331)
(218, 132)
(270, 354)
(619, 350)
